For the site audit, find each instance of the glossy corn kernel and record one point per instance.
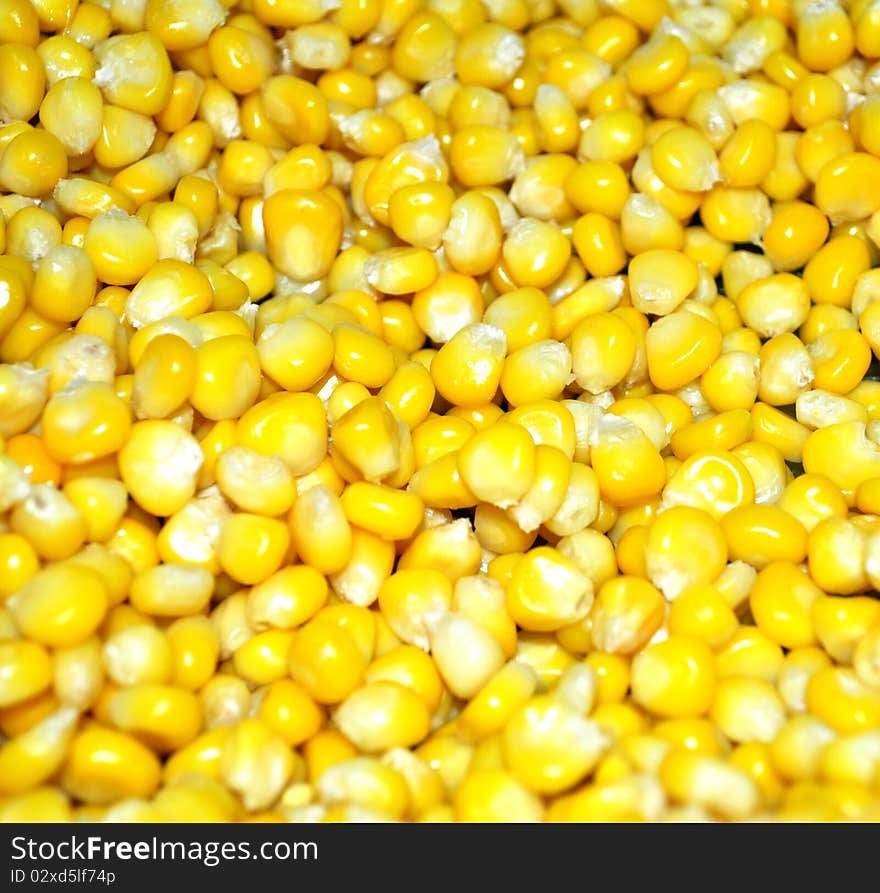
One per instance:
(121, 248)
(104, 766)
(685, 160)
(33, 163)
(680, 347)
(673, 560)
(549, 746)
(303, 232)
(675, 678)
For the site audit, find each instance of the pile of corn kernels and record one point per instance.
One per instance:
(439, 410)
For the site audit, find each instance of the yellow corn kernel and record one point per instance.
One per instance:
(794, 235)
(774, 305)
(839, 698)
(361, 356)
(54, 526)
(702, 612)
(548, 591)
(382, 715)
(451, 633)
(754, 758)
(780, 603)
(732, 381)
(549, 746)
(194, 651)
(419, 213)
(292, 426)
(467, 369)
(409, 393)
(680, 347)
(548, 489)
(657, 65)
(843, 187)
(72, 112)
(289, 712)
(598, 186)
(29, 452)
(786, 368)
(535, 252)
(368, 567)
(674, 678)
(32, 163)
(325, 661)
(28, 671)
(121, 248)
(840, 623)
(451, 547)
(613, 136)
(748, 710)
(104, 766)
(494, 795)
(711, 783)
(133, 71)
(102, 503)
(735, 215)
(22, 24)
(263, 658)
(773, 427)
(42, 804)
(488, 55)
(452, 302)
(256, 763)
(382, 510)
(159, 465)
(726, 430)
(18, 562)
(408, 596)
(489, 710)
(626, 614)
(811, 498)
(255, 483)
(660, 280)
(603, 348)
(412, 668)
(303, 232)
(138, 654)
(796, 752)
(473, 239)
(762, 534)
(164, 377)
(598, 244)
(824, 37)
(748, 156)
(628, 467)
(252, 547)
(482, 155)
(684, 160)
(795, 672)
(172, 590)
(364, 783)
(749, 653)
(673, 558)
(125, 137)
(368, 437)
(498, 463)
